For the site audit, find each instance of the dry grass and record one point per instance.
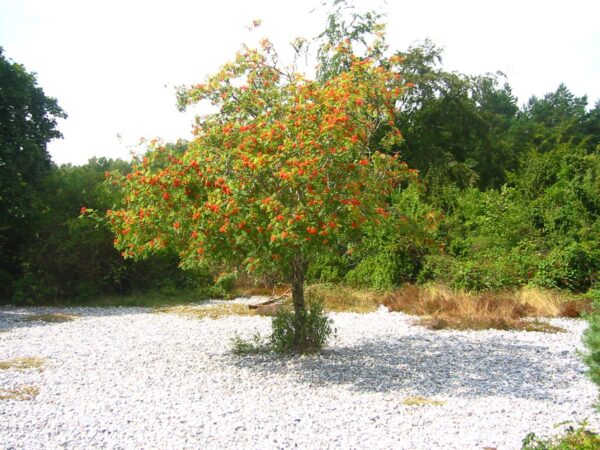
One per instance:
(444, 308)
(209, 311)
(338, 298)
(21, 393)
(421, 401)
(49, 318)
(23, 363)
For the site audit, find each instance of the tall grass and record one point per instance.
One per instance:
(441, 307)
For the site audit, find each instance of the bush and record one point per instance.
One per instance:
(591, 339)
(327, 268)
(308, 335)
(571, 266)
(573, 439)
(249, 347)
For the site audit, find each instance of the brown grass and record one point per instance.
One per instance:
(421, 401)
(21, 393)
(49, 318)
(444, 308)
(209, 311)
(338, 298)
(22, 363)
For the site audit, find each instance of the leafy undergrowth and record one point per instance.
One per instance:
(443, 308)
(49, 318)
(25, 392)
(578, 438)
(22, 363)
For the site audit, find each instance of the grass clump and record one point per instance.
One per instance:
(578, 438)
(22, 363)
(444, 308)
(257, 344)
(421, 401)
(49, 318)
(21, 393)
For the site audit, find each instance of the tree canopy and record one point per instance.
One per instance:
(28, 121)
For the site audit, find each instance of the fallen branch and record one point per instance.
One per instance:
(271, 300)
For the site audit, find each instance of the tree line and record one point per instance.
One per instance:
(506, 195)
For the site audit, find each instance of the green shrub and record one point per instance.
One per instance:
(327, 268)
(572, 266)
(226, 281)
(483, 272)
(573, 439)
(307, 335)
(591, 340)
(377, 271)
(249, 347)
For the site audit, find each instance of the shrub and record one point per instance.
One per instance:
(292, 335)
(591, 339)
(573, 439)
(327, 269)
(377, 271)
(249, 347)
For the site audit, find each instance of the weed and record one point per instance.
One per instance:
(256, 345)
(21, 393)
(22, 363)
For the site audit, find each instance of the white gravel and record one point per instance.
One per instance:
(126, 378)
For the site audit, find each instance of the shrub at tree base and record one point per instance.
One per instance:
(306, 334)
(286, 170)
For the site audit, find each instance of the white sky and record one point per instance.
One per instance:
(113, 65)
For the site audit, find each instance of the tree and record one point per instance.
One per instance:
(454, 125)
(283, 172)
(27, 123)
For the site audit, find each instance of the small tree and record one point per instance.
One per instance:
(285, 169)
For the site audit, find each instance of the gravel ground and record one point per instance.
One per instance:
(127, 378)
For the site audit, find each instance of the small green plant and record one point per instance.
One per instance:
(574, 438)
(253, 346)
(307, 334)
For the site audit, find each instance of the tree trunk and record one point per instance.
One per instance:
(299, 266)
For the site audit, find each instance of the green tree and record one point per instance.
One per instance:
(454, 126)
(282, 173)
(28, 121)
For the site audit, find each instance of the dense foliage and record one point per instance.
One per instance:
(505, 195)
(28, 121)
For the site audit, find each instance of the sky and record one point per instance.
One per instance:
(114, 65)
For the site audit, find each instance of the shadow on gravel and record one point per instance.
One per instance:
(431, 365)
(27, 317)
